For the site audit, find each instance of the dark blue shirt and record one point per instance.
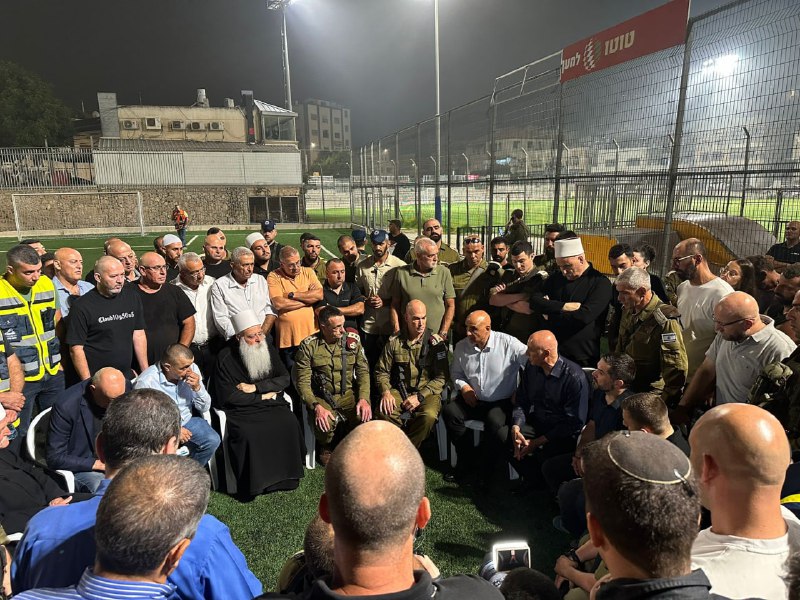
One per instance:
(58, 546)
(607, 417)
(556, 405)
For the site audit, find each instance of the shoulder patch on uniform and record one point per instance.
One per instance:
(669, 338)
(309, 339)
(669, 311)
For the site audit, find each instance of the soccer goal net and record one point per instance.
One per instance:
(70, 213)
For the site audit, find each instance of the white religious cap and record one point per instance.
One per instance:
(244, 320)
(569, 247)
(253, 238)
(170, 239)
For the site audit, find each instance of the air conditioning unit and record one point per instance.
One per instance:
(216, 126)
(152, 123)
(177, 125)
(130, 124)
(197, 126)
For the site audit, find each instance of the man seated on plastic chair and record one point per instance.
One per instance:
(179, 378)
(75, 422)
(411, 373)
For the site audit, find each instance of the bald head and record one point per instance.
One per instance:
(415, 306)
(107, 384)
(544, 340)
(739, 305)
(373, 504)
(543, 350)
(151, 259)
(745, 443)
(68, 265)
(736, 317)
(107, 263)
(479, 327)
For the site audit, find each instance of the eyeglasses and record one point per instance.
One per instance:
(720, 324)
(156, 268)
(681, 259)
(472, 240)
(199, 271)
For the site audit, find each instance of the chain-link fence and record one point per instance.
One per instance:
(701, 139)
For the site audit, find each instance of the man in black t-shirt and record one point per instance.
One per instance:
(787, 252)
(374, 532)
(400, 243)
(345, 296)
(105, 327)
(168, 312)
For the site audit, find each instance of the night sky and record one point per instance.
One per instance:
(374, 56)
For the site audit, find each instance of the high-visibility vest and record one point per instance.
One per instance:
(30, 327)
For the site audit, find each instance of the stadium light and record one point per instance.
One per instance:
(287, 79)
(723, 65)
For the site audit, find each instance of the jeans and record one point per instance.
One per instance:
(182, 235)
(88, 481)
(204, 441)
(43, 393)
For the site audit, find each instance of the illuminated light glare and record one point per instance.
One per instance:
(723, 66)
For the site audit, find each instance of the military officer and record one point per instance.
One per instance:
(650, 333)
(327, 365)
(410, 375)
(467, 282)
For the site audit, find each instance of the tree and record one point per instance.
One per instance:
(333, 163)
(29, 111)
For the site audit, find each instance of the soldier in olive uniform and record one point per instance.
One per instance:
(410, 375)
(778, 387)
(671, 283)
(326, 386)
(650, 333)
(468, 283)
(547, 260)
(516, 230)
(312, 246)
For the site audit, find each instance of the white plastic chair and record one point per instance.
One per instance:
(42, 421)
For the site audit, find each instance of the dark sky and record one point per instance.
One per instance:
(374, 56)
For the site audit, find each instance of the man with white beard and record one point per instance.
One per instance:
(264, 437)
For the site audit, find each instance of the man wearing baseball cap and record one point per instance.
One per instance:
(269, 232)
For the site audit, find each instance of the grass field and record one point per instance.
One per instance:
(465, 521)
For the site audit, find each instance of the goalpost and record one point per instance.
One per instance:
(77, 213)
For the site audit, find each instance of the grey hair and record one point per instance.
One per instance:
(634, 278)
(423, 241)
(239, 253)
(149, 507)
(187, 257)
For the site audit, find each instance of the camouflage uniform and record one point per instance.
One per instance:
(778, 390)
(316, 356)
(517, 232)
(542, 262)
(423, 369)
(654, 340)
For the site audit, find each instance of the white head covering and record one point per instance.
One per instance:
(253, 238)
(170, 239)
(244, 320)
(567, 248)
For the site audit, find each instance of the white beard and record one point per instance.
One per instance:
(256, 359)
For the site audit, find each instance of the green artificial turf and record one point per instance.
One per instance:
(465, 522)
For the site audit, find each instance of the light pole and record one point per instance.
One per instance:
(396, 190)
(438, 199)
(466, 158)
(417, 199)
(287, 78)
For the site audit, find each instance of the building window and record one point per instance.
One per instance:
(325, 133)
(313, 116)
(324, 119)
(336, 120)
(337, 135)
(516, 144)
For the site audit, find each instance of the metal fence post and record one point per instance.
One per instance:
(140, 210)
(746, 167)
(492, 124)
(559, 154)
(396, 175)
(666, 251)
(449, 177)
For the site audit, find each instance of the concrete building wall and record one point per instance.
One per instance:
(214, 124)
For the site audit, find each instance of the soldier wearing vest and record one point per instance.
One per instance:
(410, 375)
(468, 283)
(778, 387)
(29, 314)
(328, 366)
(650, 333)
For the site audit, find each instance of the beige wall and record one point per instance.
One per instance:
(232, 119)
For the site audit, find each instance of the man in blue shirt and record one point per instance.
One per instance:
(552, 403)
(68, 265)
(179, 378)
(145, 522)
(58, 545)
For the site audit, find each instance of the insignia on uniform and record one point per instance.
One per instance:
(669, 338)
(351, 339)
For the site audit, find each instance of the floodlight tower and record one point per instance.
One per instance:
(287, 77)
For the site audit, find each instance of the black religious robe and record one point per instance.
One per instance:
(264, 437)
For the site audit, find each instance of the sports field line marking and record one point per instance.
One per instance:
(332, 255)
(189, 243)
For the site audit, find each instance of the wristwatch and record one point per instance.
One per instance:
(291, 296)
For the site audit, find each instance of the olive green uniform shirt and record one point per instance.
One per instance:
(446, 255)
(431, 288)
(517, 232)
(315, 354)
(654, 340)
(466, 295)
(402, 358)
(777, 390)
(320, 270)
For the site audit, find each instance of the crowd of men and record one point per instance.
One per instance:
(131, 359)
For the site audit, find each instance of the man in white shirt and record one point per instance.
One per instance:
(239, 290)
(746, 343)
(697, 297)
(739, 458)
(197, 286)
(485, 371)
